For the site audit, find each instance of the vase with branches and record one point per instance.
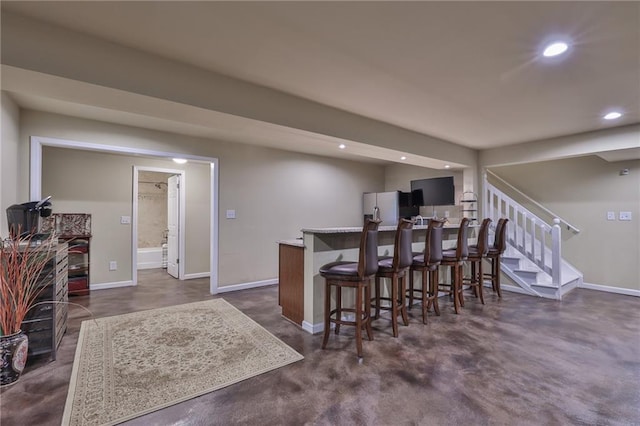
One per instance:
(22, 261)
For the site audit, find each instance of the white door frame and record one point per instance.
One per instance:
(182, 202)
(35, 188)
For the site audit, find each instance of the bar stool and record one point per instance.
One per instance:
(395, 268)
(494, 254)
(427, 263)
(477, 252)
(356, 275)
(455, 259)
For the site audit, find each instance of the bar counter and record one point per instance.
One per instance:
(324, 245)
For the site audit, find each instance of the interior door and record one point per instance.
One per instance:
(173, 221)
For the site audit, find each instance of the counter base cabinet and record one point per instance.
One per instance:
(291, 287)
(45, 324)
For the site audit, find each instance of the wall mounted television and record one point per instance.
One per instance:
(433, 192)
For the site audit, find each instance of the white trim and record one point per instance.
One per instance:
(35, 176)
(197, 275)
(312, 328)
(149, 265)
(610, 289)
(182, 202)
(115, 284)
(245, 286)
(213, 245)
(516, 289)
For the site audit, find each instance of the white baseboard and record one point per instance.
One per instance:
(312, 328)
(609, 289)
(149, 265)
(116, 284)
(244, 286)
(196, 276)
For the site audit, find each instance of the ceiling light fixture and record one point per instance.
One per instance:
(555, 49)
(403, 158)
(612, 115)
(179, 160)
(342, 146)
(446, 166)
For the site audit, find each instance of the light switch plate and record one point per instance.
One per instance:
(625, 216)
(231, 214)
(125, 220)
(611, 215)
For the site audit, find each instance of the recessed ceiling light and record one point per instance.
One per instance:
(342, 146)
(179, 160)
(612, 115)
(555, 49)
(446, 166)
(403, 158)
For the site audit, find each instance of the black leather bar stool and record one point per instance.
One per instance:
(395, 268)
(477, 252)
(455, 259)
(356, 275)
(494, 254)
(427, 264)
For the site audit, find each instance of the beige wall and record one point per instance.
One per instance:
(399, 177)
(9, 154)
(581, 190)
(275, 193)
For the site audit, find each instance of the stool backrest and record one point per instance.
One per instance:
(368, 259)
(462, 244)
(500, 242)
(483, 237)
(402, 254)
(433, 242)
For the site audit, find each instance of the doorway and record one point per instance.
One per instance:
(35, 190)
(159, 219)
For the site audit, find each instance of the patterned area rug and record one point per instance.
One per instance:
(129, 365)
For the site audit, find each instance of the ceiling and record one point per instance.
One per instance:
(470, 73)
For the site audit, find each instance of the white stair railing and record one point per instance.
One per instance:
(531, 236)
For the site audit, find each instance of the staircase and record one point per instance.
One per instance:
(533, 258)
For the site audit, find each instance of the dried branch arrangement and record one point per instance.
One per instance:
(21, 263)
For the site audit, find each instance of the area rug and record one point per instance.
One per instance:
(129, 365)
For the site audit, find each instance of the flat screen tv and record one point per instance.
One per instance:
(433, 192)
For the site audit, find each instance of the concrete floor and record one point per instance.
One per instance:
(516, 361)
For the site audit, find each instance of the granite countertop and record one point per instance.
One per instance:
(358, 229)
(296, 242)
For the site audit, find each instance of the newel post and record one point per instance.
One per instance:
(556, 252)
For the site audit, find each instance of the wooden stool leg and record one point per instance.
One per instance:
(358, 312)
(454, 288)
(434, 276)
(426, 297)
(459, 276)
(480, 281)
(401, 298)
(367, 298)
(394, 304)
(410, 288)
(473, 279)
(497, 275)
(377, 312)
(338, 308)
(327, 314)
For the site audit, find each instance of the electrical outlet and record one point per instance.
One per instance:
(611, 215)
(625, 216)
(446, 213)
(113, 265)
